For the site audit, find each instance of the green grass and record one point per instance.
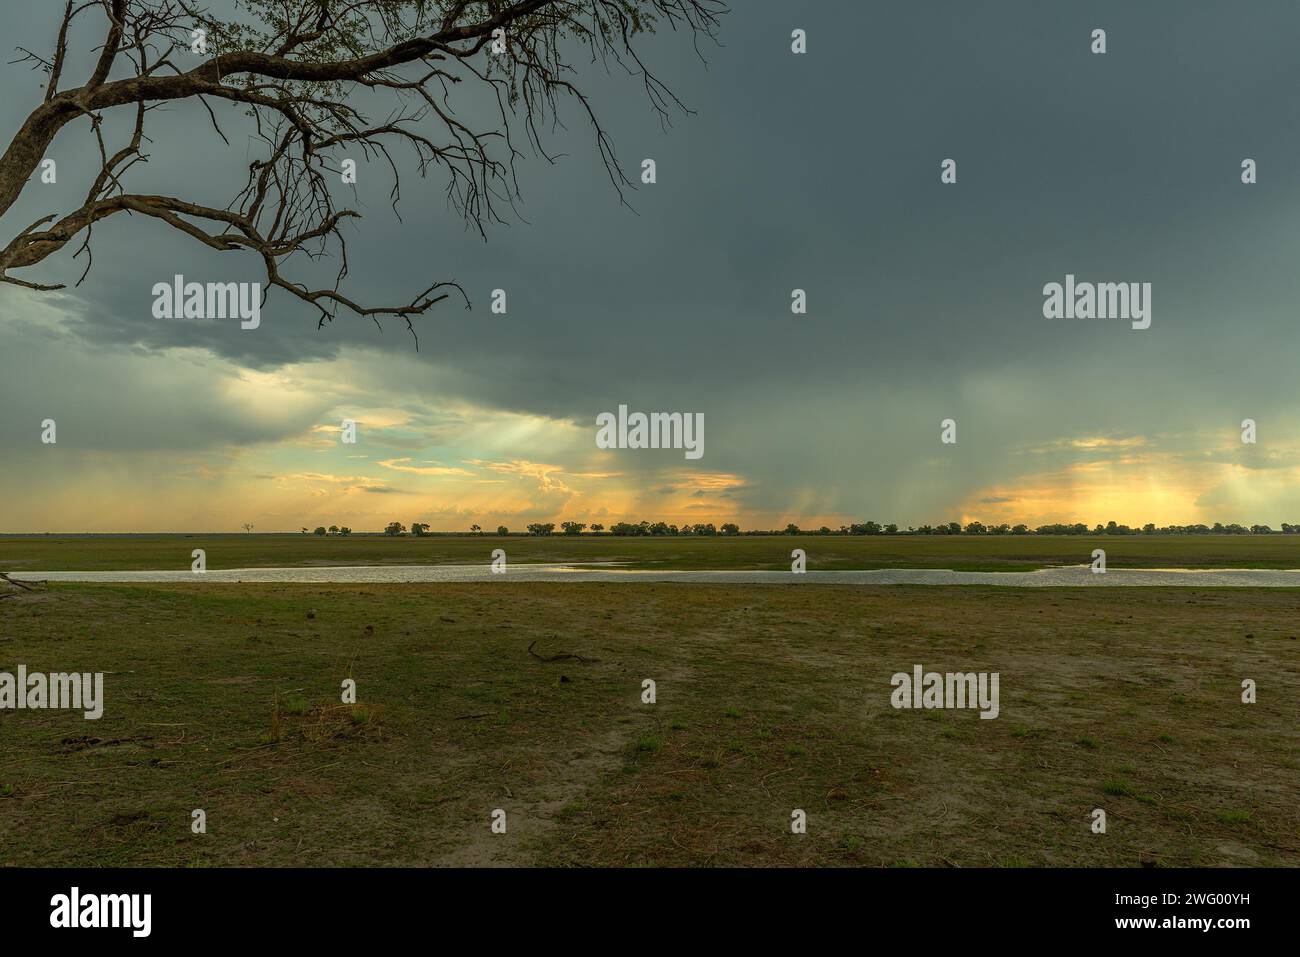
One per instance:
(768, 699)
(982, 553)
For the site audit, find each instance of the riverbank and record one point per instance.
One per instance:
(745, 552)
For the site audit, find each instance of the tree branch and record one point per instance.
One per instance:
(293, 69)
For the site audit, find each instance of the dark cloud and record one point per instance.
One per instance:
(818, 172)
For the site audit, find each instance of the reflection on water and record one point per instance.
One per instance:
(1071, 576)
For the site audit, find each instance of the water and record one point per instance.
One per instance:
(1068, 576)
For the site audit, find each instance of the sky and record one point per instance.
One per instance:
(817, 171)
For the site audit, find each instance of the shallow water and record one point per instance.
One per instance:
(1068, 576)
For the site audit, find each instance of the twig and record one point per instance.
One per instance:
(562, 656)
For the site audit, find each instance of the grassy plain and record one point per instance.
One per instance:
(962, 553)
(769, 698)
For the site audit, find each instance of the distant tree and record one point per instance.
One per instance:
(476, 529)
(334, 529)
(304, 531)
(344, 530)
(419, 529)
(320, 530)
(875, 528)
(247, 526)
(394, 528)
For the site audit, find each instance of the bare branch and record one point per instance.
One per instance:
(294, 67)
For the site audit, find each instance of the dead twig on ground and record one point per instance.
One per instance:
(562, 656)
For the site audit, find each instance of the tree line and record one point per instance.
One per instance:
(643, 528)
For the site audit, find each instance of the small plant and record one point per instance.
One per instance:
(570, 811)
(273, 736)
(645, 744)
(1028, 733)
